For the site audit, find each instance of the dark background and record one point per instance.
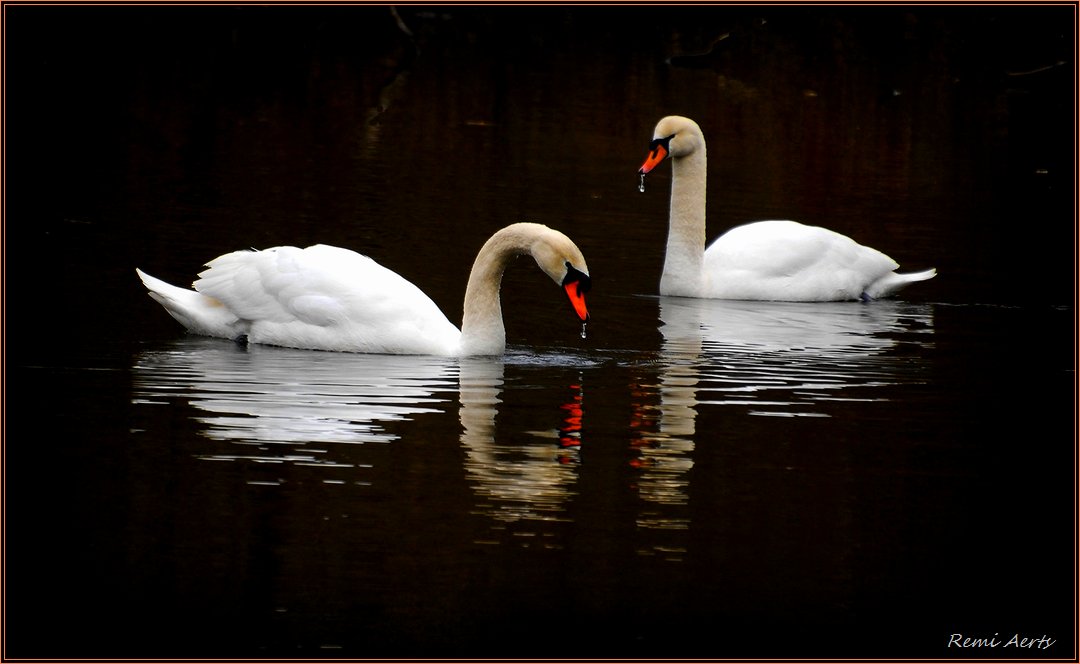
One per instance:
(160, 137)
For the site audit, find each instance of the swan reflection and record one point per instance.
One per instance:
(517, 476)
(791, 358)
(282, 406)
(765, 358)
(262, 396)
(664, 432)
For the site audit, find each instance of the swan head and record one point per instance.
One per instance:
(482, 331)
(560, 259)
(674, 136)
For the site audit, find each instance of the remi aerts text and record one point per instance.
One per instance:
(997, 641)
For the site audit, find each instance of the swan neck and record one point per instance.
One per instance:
(482, 329)
(686, 226)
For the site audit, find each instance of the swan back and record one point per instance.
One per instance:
(786, 260)
(327, 298)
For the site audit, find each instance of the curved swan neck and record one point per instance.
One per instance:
(482, 329)
(685, 254)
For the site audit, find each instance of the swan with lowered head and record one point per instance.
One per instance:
(328, 298)
(764, 260)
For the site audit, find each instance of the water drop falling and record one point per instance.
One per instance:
(641, 184)
(583, 330)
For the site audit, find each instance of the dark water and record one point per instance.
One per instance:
(694, 479)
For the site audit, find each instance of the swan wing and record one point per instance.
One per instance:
(327, 298)
(786, 260)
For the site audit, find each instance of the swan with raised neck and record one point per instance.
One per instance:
(329, 298)
(764, 260)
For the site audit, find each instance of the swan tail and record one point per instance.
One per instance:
(198, 313)
(893, 282)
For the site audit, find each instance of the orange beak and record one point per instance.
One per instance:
(656, 155)
(577, 298)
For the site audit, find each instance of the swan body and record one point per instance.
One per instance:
(764, 260)
(329, 298)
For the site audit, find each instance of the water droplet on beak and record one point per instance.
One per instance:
(641, 184)
(583, 330)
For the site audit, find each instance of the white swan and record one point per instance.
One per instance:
(764, 260)
(328, 298)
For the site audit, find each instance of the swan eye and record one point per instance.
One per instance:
(661, 143)
(574, 275)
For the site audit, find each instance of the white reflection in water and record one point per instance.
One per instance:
(289, 406)
(285, 406)
(265, 396)
(514, 478)
(788, 358)
(769, 359)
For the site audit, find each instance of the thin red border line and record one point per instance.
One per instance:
(552, 3)
(1076, 403)
(3, 298)
(3, 343)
